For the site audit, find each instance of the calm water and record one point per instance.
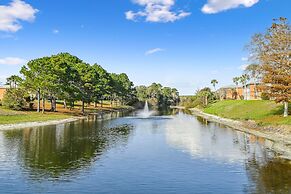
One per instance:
(177, 153)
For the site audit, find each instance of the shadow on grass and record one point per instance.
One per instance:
(280, 110)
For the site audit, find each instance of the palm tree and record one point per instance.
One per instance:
(214, 82)
(254, 70)
(14, 80)
(236, 81)
(244, 80)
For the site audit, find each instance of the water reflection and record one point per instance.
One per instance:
(272, 176)
(173, 153)
(55, 151)
(267, 174)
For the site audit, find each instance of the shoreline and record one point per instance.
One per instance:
(279, 143)
(22, 125)
(6, 127)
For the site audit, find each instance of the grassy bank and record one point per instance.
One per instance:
(263, 112)
(13, 117)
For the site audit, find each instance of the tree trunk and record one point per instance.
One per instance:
(255, 90)
(245, 92)
(43, 104)
(206, 101)
(83, 106)
(285, 109)
(95, 104)
(53, 104)
(101, 103)
(38, 100)
(65, 104)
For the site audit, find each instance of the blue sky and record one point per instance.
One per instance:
(178, 43)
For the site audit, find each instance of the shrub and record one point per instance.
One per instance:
(15, 99)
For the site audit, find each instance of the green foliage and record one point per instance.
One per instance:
(13, 81)
(66, 77)
(16, 99)
(122, 88)
(202, 98)
(189, 101)
(157, 94)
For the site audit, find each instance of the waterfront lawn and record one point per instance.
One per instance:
(261, 111)
(8, 116)
(12, 117)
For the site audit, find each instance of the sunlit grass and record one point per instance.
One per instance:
(20, 117)
(263, 112)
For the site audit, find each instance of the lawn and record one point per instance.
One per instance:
(12, 117)
(261, 111)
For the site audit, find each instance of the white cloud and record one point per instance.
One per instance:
(152, 51)
(156, 11)
(12, 61)
(56, 31)
(215, 6)
(12, 14)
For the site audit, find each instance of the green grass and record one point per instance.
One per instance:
(12, 117)
(261, 111)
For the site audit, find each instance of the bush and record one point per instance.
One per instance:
(15, 99)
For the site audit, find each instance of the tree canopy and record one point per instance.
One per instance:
(64, 76)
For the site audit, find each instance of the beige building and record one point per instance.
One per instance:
(2, 91)
(250, 92)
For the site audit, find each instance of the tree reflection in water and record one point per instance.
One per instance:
(56, 151)
(271, 176)
(266, 173)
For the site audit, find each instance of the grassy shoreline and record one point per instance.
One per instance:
(8, 117)
(263, 112)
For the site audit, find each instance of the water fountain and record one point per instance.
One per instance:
(145, 113)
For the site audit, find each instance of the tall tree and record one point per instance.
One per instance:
(236, 81)
(254, 71)
(244, 80)
(67, 75)
(85, 83)
(214, 82)
(273, 52)
(36, 78)
(14, 81)
(141, 93)
(102, 85)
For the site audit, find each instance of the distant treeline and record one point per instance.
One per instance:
(158, 95)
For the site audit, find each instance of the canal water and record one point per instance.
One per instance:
(117, 153)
